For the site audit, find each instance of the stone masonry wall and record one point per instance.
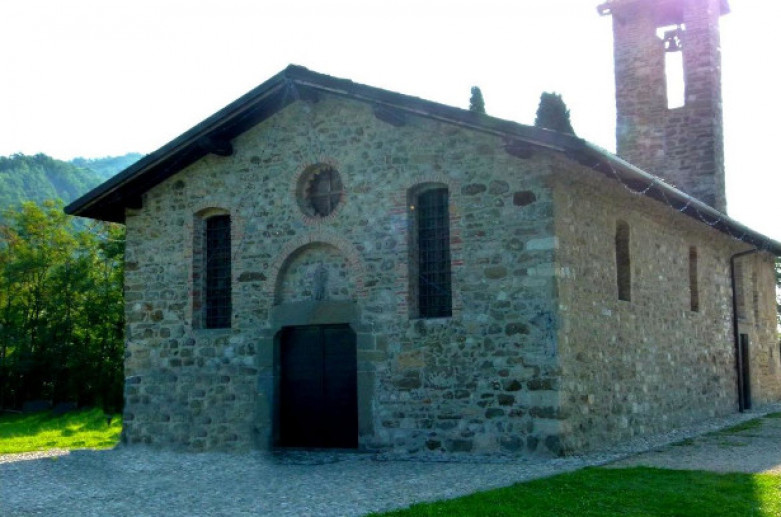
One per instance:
(483, 380)
(650, 364)
(759, 322)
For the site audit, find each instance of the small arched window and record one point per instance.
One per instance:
(740, 295)
(694, 291)
(755, 294)
(623, 262)
(218, 272)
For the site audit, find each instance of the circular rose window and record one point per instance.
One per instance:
(320, 190)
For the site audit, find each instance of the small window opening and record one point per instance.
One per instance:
(740, 298)
(755, 294)
(693, 285)
(623, 262)
(675, 77)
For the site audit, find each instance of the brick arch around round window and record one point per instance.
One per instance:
(319, 241)
(298, 179)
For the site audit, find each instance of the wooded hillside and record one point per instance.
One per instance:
(108, 166)
(41, 177)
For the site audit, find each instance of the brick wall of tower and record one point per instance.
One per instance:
(682, 145)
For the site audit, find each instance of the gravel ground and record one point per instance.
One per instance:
(140, 481)
(752, 450)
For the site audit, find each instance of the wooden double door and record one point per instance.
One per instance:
(318, 387)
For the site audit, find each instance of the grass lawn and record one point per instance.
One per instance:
(86, 429)
(636, 491)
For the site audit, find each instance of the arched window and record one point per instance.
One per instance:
(740, 295)
(218, 272)
(212, 270)
(755, 294)
(623, 262)
(430, 278)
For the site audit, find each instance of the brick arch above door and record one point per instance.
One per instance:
(323, 242)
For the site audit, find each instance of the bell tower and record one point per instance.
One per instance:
(680, 142)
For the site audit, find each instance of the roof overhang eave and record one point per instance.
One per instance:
(103, 202)
(656, 188)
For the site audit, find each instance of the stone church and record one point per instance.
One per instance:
(325, 264)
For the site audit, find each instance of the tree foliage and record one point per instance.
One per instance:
(61, 308)
(476, 102)
(552, 113)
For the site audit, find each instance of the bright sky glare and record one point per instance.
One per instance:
(94, 78)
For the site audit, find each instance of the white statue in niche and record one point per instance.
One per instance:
(319, 281)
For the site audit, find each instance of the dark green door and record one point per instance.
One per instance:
(745, 371)
(318, 387)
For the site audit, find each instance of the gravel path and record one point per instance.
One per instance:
(140, 481)
(751, 450)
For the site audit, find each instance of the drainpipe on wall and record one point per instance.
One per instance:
(735, 329)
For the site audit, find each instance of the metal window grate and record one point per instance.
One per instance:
(218, 272)
(434, 291)
(325, 192)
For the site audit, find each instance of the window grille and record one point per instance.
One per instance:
(434, 291)
(325, 192)
(218, 272)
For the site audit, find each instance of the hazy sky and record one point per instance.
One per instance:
(103, 77)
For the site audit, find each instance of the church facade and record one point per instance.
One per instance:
(324, 264)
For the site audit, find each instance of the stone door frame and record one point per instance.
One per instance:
(267, 416)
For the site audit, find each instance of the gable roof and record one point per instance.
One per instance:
(109, 200)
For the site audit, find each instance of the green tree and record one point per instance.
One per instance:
(61, 314)
(476, 102)
(552, 113)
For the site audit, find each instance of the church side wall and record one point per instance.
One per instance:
(650, 364)
(759, 322)
(485, 379)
